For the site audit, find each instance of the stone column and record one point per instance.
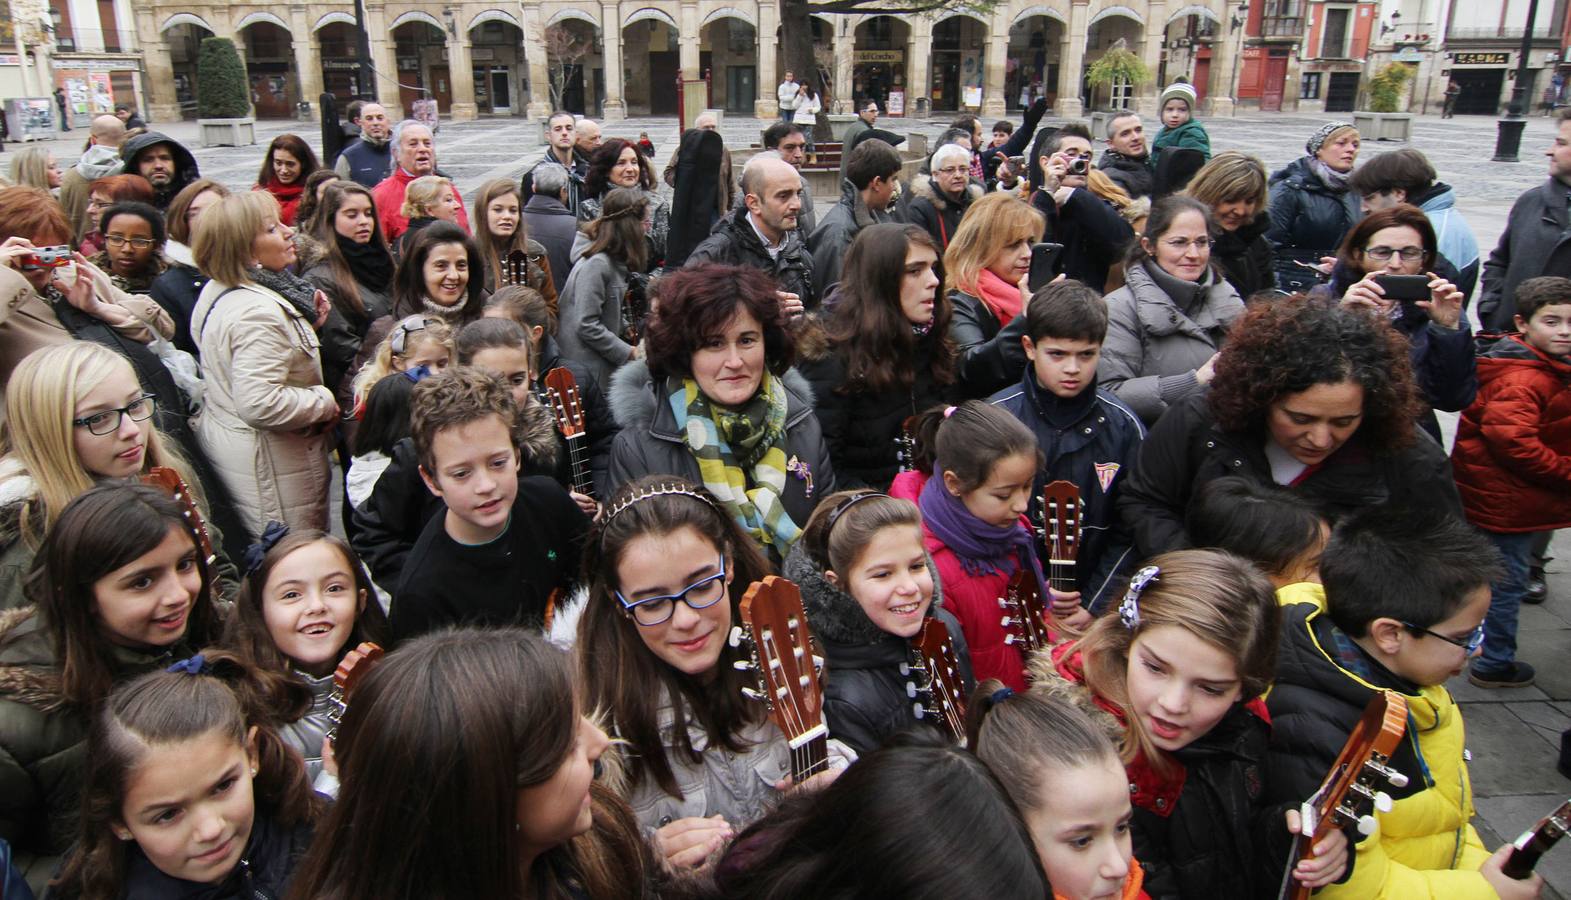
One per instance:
(384, 82)
(919, 80)
(308, 59)
(461, 72)
(687, 40)
(993, 68)
(1155, 31)
(767, 35)
(1072, 59)
(533, 22)
(845, 49)
(611, 44)
(162, 104)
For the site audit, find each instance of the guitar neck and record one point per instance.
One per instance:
(1061, 575)
(583, 474)
(810, 755)
(1535, 842)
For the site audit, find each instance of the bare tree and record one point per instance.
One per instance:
(564, 50)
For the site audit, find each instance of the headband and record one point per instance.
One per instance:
(847, 503)
(659, 490)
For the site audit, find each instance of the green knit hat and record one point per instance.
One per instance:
(1179, 90)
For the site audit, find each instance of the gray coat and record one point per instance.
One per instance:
(546, 220)
(590, 328)
(1537, 241)
(650, 444)
(1154, 343)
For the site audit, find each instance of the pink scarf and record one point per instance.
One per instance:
(1001, 297)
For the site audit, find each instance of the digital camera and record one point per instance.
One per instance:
(48, 257)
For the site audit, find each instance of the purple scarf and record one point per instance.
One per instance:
(982, 548)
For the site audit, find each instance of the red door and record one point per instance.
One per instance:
(1202, 74)
(1275, 80)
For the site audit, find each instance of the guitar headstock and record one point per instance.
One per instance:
(1352, 787)
(351, 670)
(1025, 613)
(905, 445)
(562, 391)
(515, 269)
(945, 685)
(782, 657)
(170, 480)
(1061, 519)
(1536, 841)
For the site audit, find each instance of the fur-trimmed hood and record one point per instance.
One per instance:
(927, 190)
(17, 489)
(28, 673)
(1047, 678)
(834, 614)
(308, 251)
(634, 403)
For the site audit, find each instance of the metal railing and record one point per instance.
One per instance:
(1490, 32)
(1282, 26)
(112, 40)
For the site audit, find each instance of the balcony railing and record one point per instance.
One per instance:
(1282, 26)
(1495, 32)
(85, 40)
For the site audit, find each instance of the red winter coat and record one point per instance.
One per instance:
(1513, 444)
(388, 196)
(972, 598)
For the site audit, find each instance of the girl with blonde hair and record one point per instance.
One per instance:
(35, 167)
(415, 341)
(429, 198)
(986, 265)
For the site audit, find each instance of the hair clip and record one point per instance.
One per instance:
(1129, 610)
(660, 490)
(257, 552)
(847, 503)
(1000, 695)
(949, 411)
(195, 665)
(418, 373)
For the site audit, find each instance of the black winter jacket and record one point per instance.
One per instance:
(1082, 438)
(991, 356)
(735, 243)
(176, 291)
(1094, 235)
(867, 697)
(1308, 221)
(1135, 176)
(833, 236)
(650, 444)
(1245, 256)
(263, 873)
(860, 427)
(936, 211)
(1187, 449)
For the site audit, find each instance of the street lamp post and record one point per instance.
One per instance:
(365, 84)
(1508, 139)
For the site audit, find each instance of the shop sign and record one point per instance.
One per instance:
(1481, 59)
(878, 56)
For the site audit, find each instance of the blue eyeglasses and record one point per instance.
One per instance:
(701, 594)
(1471, 643)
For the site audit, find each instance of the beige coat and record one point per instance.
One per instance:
(27, 322)
(264, 397)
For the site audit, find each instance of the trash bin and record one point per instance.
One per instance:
(303, 111)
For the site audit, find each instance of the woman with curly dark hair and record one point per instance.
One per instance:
(1310, 394)
(882, 354)
(618, 164)
(715, 400)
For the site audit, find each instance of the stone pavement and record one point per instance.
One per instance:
(1514, 735)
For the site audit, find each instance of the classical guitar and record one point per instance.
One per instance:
(568, 408)
(943, 687)
(350, 672)
(1061, 533)
(1536, 841)
(515, 269)
(1352, 785)
(1025, 613)
(170, 480)
(774, 630)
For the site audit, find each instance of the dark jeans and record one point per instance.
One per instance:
(1505, 602)
(787, 115)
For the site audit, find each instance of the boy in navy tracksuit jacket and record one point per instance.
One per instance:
(1087, 435)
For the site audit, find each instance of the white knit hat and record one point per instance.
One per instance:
(1179, 90)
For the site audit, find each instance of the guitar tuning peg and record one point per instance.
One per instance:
(754, 695)
(919, 710)
(1383, 801)
(905, 669)
(911, 689)
(1009, 639)
(1367, 825)
(736, 637)
(818, 662)
(1395, 778)
(1006, 621)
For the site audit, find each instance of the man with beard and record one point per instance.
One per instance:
(368, 158)
(764, 233)
(414, 151)
(164, 162)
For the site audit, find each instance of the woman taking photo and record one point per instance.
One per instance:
(1233, 184)
(1312, 207)
(267, 420)
(133, 241)
(288, 163)
(355, 271)
(120, 587)
(176, 290)
(985, 268)
(76, 416)
(618, 164)
(595, 328)
(1165, 324)
(497, 783)
(1400, 241)
(1313, 395)
(715, 401)
(885, 353)
(500, 231)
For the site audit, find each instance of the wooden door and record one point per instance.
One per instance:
(442, 88)
(1275, 84)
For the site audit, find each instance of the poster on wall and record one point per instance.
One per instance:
(971, 95)
(896, 103)
(103, 94)
(78, 100)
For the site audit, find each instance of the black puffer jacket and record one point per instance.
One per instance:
(735, 243)
(176, 291)
(270, 859)
(936, 211)
(866, 697)
(833, 236)
(1308, 221)
(1135, 176)
(859, 426)
(1187, 449)
(1093, 233)
(1245, 256)
(991, 356)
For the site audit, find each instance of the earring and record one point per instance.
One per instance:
(122, 835)
(253, 771)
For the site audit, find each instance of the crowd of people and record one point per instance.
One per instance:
(576, 419)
